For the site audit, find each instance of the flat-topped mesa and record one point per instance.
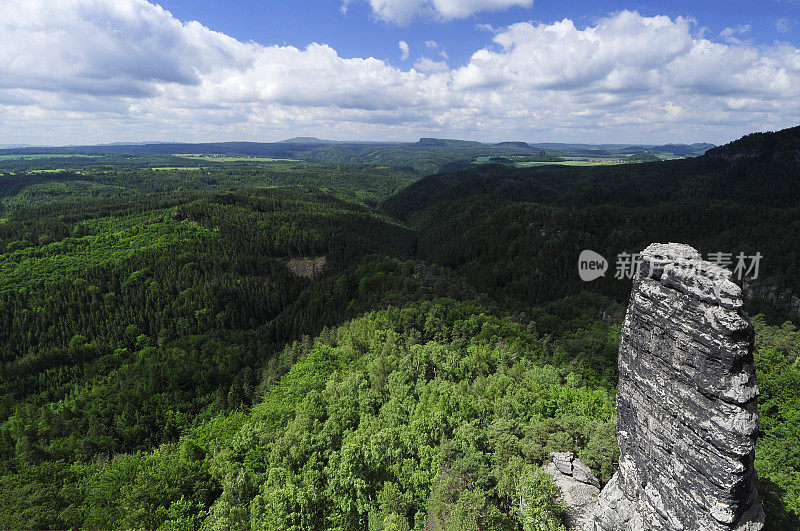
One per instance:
(686, 409)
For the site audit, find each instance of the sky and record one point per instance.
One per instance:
(97, 71)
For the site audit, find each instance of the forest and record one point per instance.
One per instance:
(163, 367)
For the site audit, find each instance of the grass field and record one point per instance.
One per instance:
(34, 156)
(188, 168)
(51, 170)
(570, 163)
(234, 158)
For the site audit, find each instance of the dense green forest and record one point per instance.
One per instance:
(164, 363)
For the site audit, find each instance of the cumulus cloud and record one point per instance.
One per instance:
(405, 50)
(404, 11)
(136, 50)
(427, 65)
(81, 71)
(622, 53)
(104, 47)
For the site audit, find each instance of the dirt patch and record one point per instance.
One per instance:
(309, 268)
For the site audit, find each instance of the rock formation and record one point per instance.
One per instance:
(686, 409)
(579, 487)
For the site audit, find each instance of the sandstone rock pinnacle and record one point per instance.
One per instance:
(686, 402)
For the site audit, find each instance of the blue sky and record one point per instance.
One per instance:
(358, 34)
(91, 71)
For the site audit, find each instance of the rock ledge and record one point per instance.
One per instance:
(579, 487)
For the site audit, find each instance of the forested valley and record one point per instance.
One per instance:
(209, 342)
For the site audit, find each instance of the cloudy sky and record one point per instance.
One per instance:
(93, 71)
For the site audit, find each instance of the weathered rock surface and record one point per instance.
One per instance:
(579, 487)
(686, 409)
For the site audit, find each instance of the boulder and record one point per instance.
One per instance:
(579, 487)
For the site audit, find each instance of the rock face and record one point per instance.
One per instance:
(579, 487)
(686, 409)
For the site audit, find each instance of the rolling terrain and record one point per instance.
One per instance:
(167, 361)
(428, 155)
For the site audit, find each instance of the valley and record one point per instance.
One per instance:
(353, 336)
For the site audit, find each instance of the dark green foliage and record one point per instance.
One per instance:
(518, 233)
(644, 156)
(779, 146)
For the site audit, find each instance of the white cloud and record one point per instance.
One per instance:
(82, 71)
(433, 45)
(730, 34)
(620, 53)
(404, 11)
(427, 65)
(449, 9)
(405, 50)
(784, 25)
(741, 29)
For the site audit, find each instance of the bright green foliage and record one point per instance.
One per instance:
(431, 411)
(111, 242)
(777, 359)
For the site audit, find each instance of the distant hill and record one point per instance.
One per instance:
(149, 142)
(524, 145)
(426, 156)
(644, 156)
(445, 142)
(213, 148)
(305, 140)
(15, 146)
(697, 148)
(678, 150)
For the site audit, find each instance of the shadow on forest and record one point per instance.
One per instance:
(779, 518)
